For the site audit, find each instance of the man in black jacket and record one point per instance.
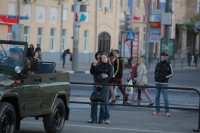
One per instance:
(163, 72)
(118, 71)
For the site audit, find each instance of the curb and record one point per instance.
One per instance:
(72, 72)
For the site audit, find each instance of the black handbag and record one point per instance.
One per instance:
(98, 96)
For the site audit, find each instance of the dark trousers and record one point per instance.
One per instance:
(63, 61)
(119, 81)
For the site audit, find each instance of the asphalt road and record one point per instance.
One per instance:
(181, 78)
(130, 119)
(123, 120)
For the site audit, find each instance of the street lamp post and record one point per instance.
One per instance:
(76, 26)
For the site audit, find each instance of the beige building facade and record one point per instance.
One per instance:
(182, 11)
(100, 30)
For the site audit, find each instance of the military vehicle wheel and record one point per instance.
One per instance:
(7, 118)
(54, 122)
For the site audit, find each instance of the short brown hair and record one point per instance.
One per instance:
(117, 51)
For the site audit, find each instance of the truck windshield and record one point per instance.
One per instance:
(11, 55)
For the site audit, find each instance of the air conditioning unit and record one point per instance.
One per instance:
(28, 1)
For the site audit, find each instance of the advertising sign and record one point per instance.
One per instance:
(155, 25)
(135, 46)
(8, 19)
(170, 47)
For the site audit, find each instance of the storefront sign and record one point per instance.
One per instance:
(8, 19)
(155, 25)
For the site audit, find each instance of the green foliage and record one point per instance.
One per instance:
(191, 22)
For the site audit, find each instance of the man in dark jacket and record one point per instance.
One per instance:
(118, 71)
(163, 72)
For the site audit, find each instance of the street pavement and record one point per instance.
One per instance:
(85, 67)
(130, 119)
(124, 120)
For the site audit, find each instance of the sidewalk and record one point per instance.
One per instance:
(85, 68)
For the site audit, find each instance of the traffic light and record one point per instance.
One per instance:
(128, 23)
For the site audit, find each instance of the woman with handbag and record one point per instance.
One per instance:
(141, 80)
(103, 74)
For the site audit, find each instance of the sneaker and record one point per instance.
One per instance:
(107, 121)
(128, 103)
(91, 121)
(117, 96)
(167, 114)
(100, 122)
(151, 104)
(112, 102)
(156, 113)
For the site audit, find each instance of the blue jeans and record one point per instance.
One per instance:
(165, 95)
(104, 109)
(63, 61)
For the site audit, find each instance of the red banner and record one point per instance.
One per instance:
(6, 20)
(155, 25)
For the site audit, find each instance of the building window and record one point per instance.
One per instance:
(154, 5)
(86, 40)
(40, 37)
(53, 39)
(12, 8)
(27, 9)
(111, 5)
(53, 15)
(40, 14)
(137, 29)
(64, 39)
(100, 4)
(27, 34)
(138, 4)
(65, 14)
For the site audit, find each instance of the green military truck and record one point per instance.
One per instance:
(30, 89)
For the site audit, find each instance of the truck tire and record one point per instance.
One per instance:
(54, 122)
(7, 118)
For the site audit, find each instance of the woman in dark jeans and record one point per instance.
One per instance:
(103, 74)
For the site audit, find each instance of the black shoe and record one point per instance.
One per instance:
(151, 104)
(91, 121)
(117, 96)
(100, 122)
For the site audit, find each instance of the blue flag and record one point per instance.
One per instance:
(83, 17)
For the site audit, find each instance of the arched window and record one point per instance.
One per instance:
(104, 42)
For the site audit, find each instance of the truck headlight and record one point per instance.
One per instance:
(18, 69)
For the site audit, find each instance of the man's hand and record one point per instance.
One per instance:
(100, 86)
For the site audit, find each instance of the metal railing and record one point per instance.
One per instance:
(135, 86)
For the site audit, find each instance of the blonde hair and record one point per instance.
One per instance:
(142, 60)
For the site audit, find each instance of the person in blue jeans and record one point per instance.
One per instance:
(163, 72)
(67, 51)
(103, 74)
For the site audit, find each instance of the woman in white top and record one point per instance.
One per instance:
(141, 80)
